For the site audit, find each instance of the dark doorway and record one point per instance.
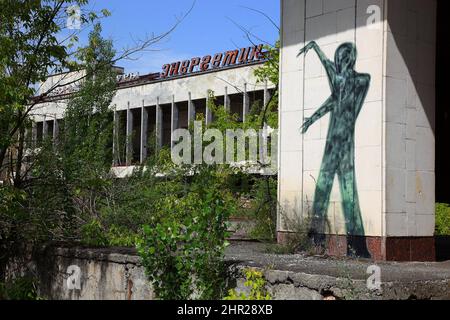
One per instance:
(443, 104)
(442, 120)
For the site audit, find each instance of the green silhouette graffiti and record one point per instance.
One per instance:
(348, 92)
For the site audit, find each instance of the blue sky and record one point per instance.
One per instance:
(206, 30)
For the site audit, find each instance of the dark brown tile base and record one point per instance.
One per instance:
(379, 248)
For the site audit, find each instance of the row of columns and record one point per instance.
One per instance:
(45, 129)
(174, 123)
(144, 125)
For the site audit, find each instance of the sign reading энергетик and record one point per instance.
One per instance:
(219, 60)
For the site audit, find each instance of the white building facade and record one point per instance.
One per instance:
(151, 107)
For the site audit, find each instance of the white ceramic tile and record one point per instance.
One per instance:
(396, 66)
(290, 51)
(291, 139)
(368, 168)
(411, 187)
(346, 21)
(396, 225)
(317, 91)
(374, 67)
(425, 225)
(425, 150)
(291, 171)
(314, 8)
(313, 150)
(335, 5)
(395, 146)
(425, 192)
(371, 212)
(369, 130)
(322, 29)
(395, 190)
(292, 91)
(395, 100)
(294, 15)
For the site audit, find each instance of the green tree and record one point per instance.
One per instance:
(62, 177)
(76, 171)
(30, 50)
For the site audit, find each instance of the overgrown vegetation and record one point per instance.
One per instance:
(64, 190)
(183, 252)
(256, 285)
(23, 288)
(442, 219)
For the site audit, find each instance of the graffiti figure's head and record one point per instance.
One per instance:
(345, 57)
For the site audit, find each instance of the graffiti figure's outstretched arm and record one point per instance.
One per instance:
(363, 84)
(327, 63)
(323, 110)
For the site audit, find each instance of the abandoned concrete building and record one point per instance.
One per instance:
(149, 108)
(374, 189)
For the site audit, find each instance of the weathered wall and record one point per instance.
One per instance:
(116, 274)
(105, 275)
(362, 169)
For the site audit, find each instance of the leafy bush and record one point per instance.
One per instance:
(24, 288)
(257, 285)
(183, 253)
(442, 219)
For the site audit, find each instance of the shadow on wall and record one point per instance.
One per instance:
(442, 104)
(410, 64)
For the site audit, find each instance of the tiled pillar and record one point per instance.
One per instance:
(245, 103)
(129, 140)
(226, 100)
(55, 130)
(409, 124)
(159, 125)
(393, 144)
(266, 94)
(144, 133)
(175, 118)
(209, 115)
(191, 110)
(116, 142)
(45, 128)
(34, 134)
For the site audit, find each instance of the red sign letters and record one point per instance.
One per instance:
(219, 60)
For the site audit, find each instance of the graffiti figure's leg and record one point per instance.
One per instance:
(356, 244)
(322, 196)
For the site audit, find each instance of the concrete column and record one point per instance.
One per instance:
(44, 128)
(175, 119)
(116, 139)
(27, 141)
(144, 133)
(159, 125)
(226, 100)
(208, 115)
(33, 134)
(191, 110)
(55, 130)
(266, 94)
(386, 210)
(129, 140)
(246, 104)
